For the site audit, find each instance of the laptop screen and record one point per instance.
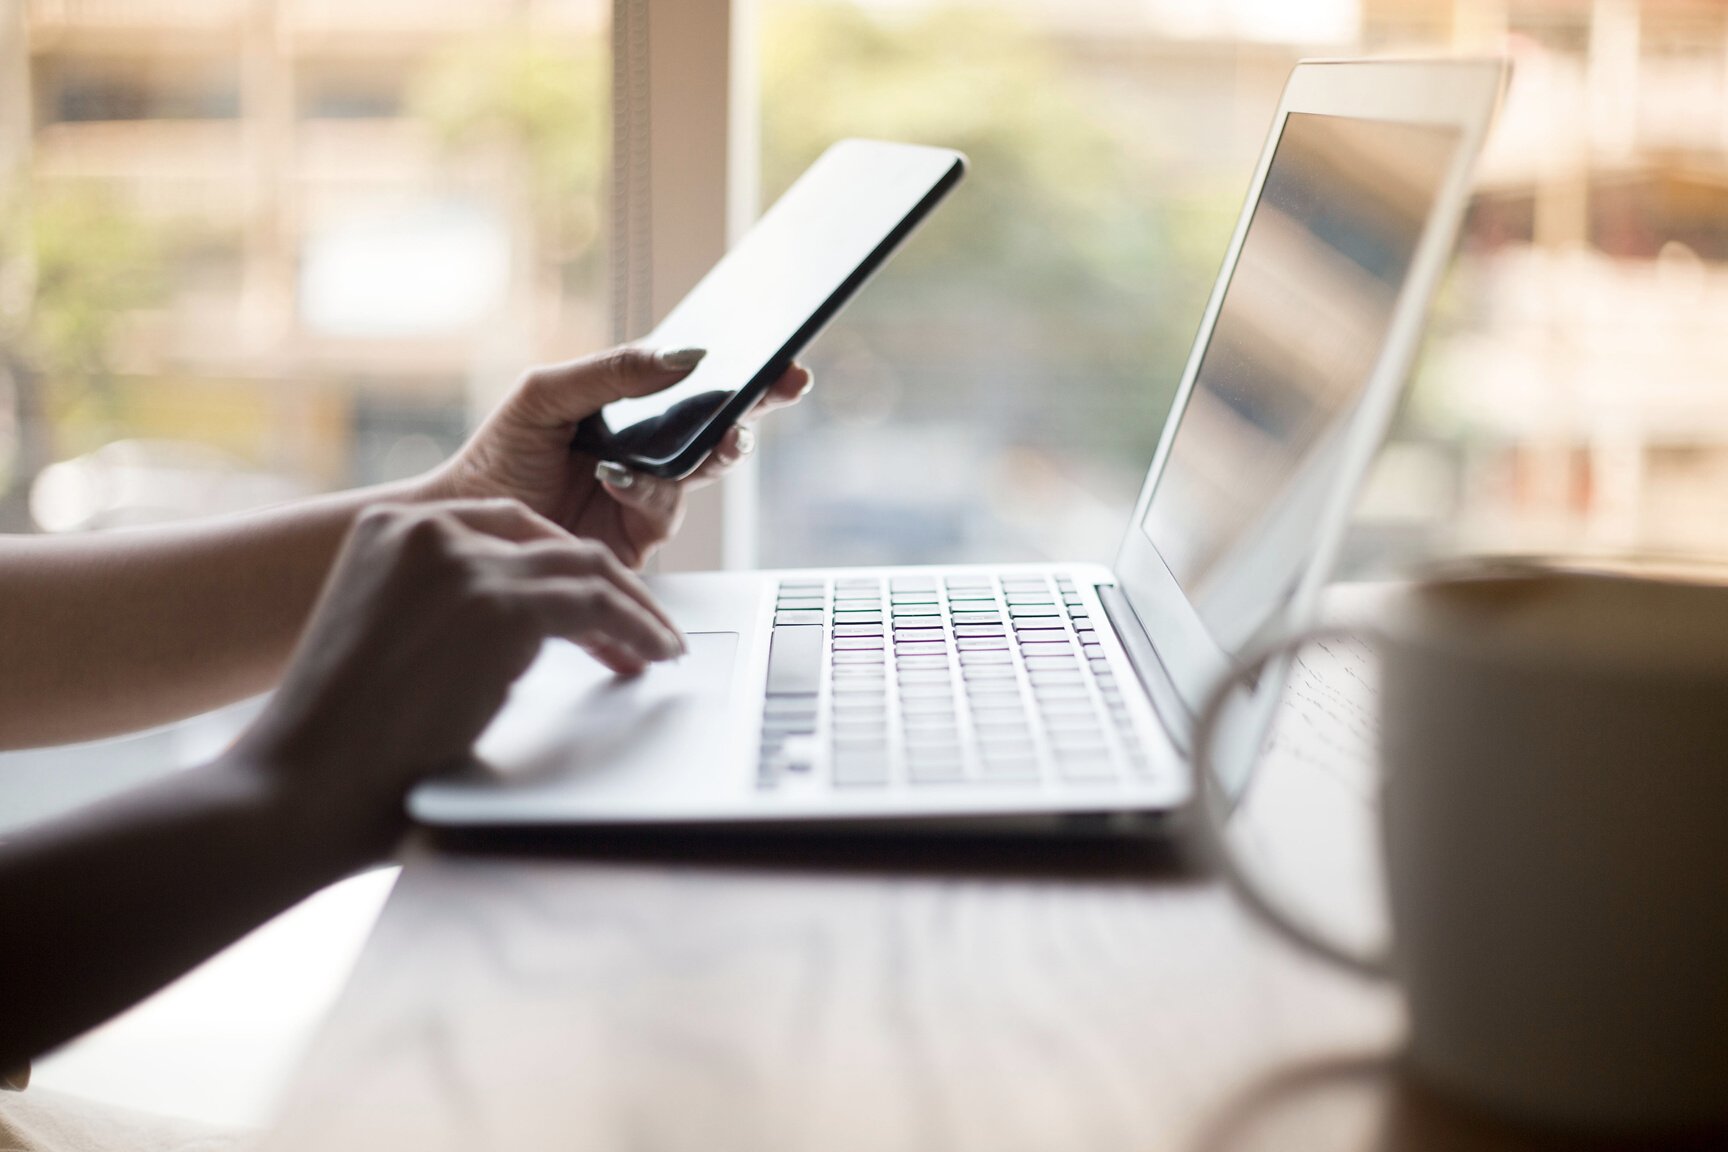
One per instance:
(1300, 327)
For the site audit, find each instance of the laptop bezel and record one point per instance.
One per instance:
(1458, 93)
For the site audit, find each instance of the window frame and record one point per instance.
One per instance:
(685, 170)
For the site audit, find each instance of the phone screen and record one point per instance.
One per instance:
(770, 295)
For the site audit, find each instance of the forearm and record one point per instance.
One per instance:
(115, 631)
(106, 906)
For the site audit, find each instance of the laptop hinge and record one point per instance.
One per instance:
(1166, 701)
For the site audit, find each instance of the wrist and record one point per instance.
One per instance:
(441, 483)
(313, 811)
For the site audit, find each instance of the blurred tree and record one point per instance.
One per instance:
(1047, 270)
(542, 105)
(79, 263)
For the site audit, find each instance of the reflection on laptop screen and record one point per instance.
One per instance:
(1301, 325)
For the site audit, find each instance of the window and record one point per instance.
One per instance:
(78, 89)
(998, 391)
(263, 219)
(275, 256)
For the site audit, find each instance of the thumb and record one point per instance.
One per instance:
(568, 392)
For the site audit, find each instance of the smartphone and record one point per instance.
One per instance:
(768, 297)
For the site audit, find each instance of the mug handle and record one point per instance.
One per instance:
(1294, 926)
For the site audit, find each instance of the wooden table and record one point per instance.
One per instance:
(845, 996)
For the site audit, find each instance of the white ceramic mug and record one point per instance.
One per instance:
(1554, 819)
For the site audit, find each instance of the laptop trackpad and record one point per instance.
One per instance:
(570, 723)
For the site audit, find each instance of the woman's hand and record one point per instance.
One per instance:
(523, 450)
(429, 615)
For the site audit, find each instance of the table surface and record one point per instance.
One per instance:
(878, 995)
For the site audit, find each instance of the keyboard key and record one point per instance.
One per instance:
(868, 656)
(945, 771)
(857, 643)
(860, 770)
(976, 673)
(1073, 724)
(858, 672)
(916, 612)
(912, 583)
(1039, 629)
(980, 630)
(800, 601)
(980, 602)
(800, 617)
(857, 630)
(1036, 662)
(1087, 770)
(1056, 676)
(977, 618)
(904, 662)
(997, 656)
(1045, 647)
(927, 705)
(982, 643)
(930, 722)
(925, 675)
(1008, 714)
(920, 647)
(1100, 666)
(1012, 772)
(1031, 611)
(924, 690)
(795, 660)
(855, 735)
(931, 632)
(1034, 599)
(874, 687)
(912, 598)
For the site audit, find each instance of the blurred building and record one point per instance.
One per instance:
(337, 278)
(1575, 395)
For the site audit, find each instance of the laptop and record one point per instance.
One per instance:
(1052, 697)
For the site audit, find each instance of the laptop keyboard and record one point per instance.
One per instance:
(953, 678)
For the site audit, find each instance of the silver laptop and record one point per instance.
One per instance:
(1052, 696)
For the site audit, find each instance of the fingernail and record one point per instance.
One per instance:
(678, 359)
(746, 440)
(614, 474)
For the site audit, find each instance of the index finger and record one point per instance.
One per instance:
(784, 392)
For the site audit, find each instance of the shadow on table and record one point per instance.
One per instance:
(1081, 850)
(1372, 1103)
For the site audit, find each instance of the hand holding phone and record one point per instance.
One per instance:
(767, 298)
